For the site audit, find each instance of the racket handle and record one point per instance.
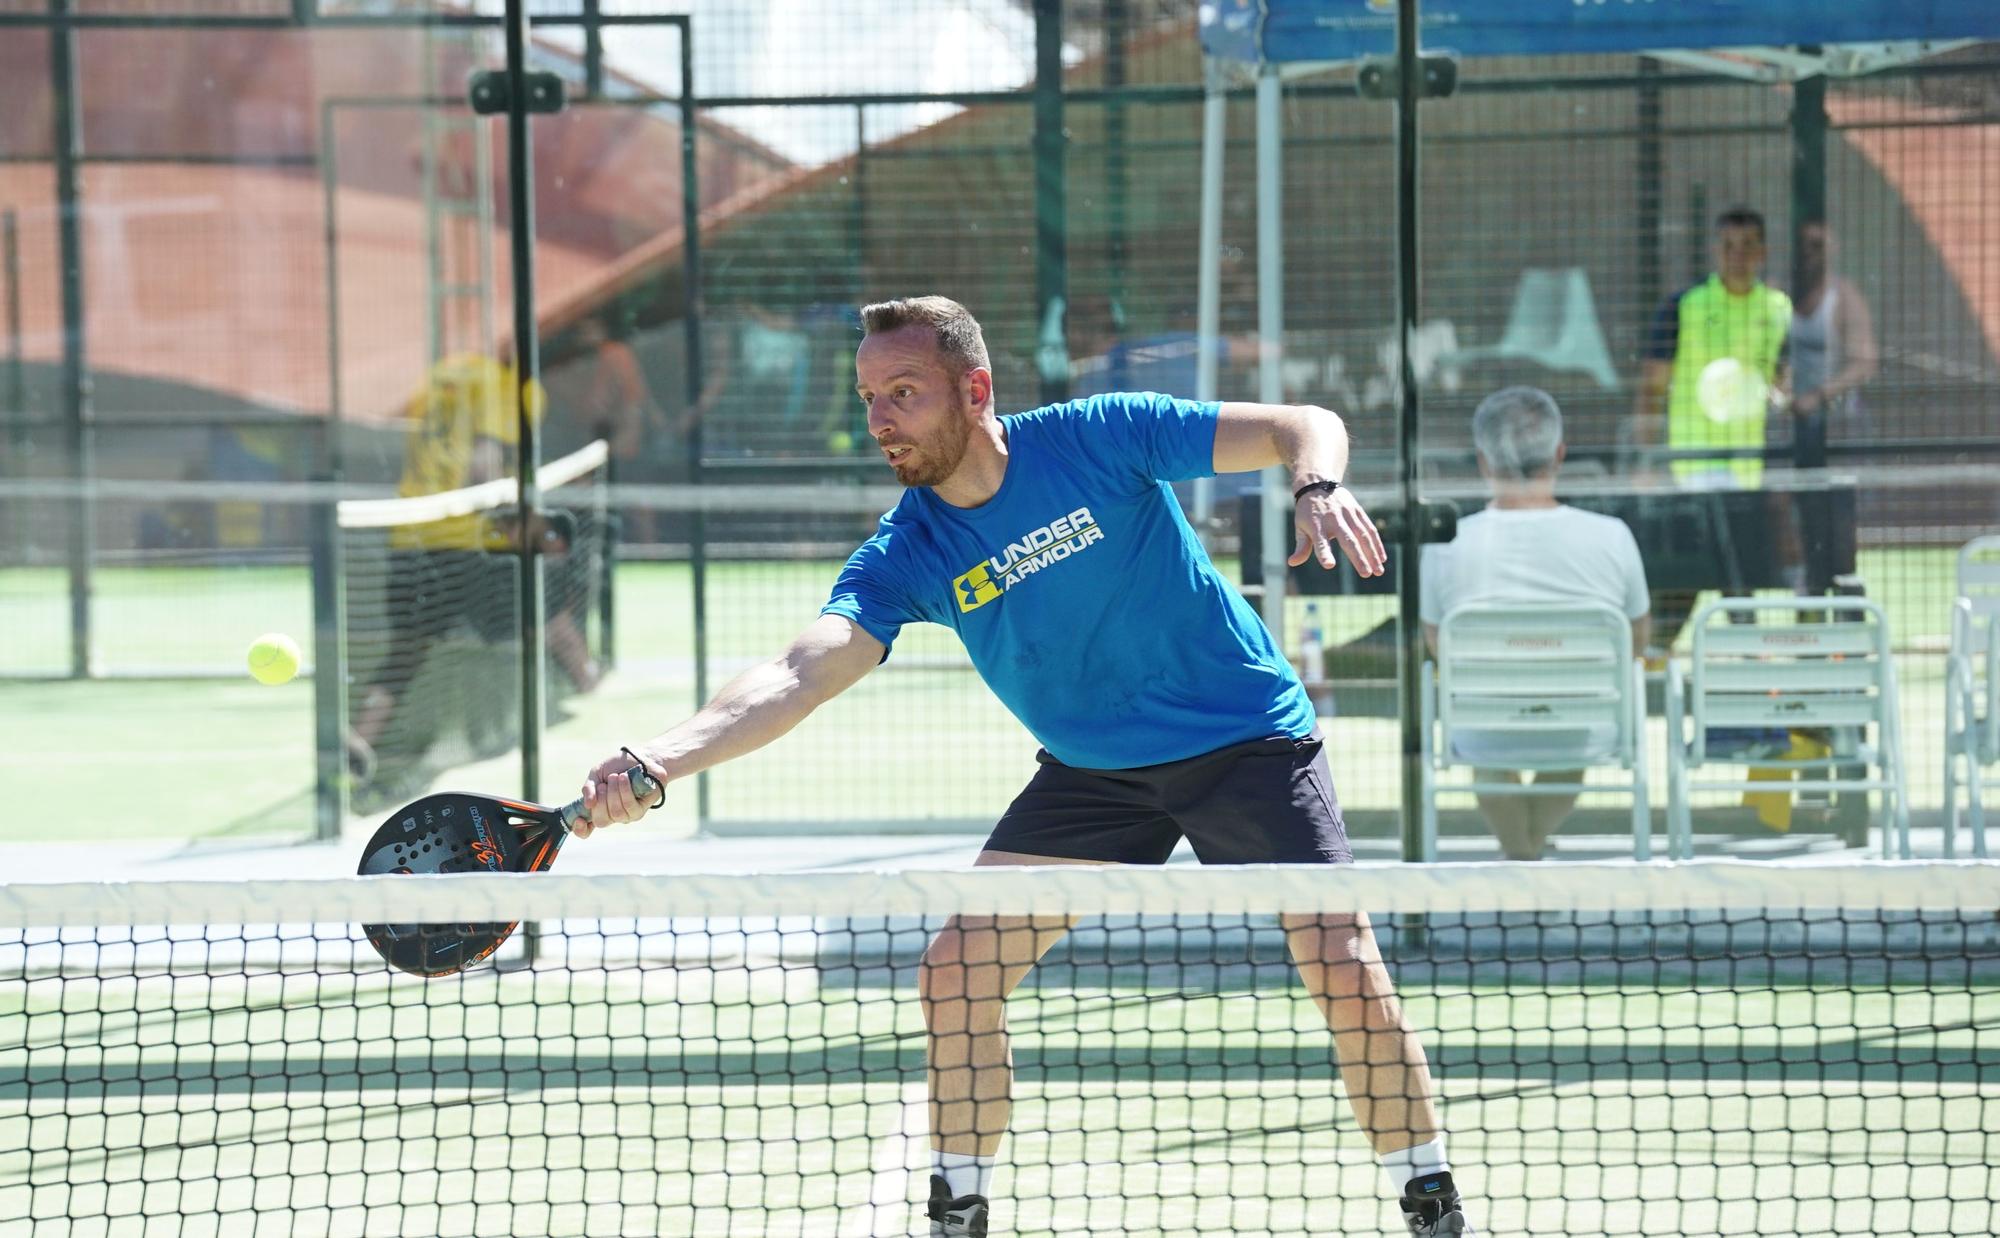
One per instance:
(643, 785)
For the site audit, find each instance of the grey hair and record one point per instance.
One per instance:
(1518, 430)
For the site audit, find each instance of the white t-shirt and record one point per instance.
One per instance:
(1555, 555)
(1545, 555)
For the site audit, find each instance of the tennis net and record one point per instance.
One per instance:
(432, 588)
(1664, 1050)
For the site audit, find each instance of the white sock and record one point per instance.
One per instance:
(962, 1174)
(1406, 1163)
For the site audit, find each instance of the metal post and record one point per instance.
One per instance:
(1276, 487)
(1409, 86)
(611, 533)
(14, 513)
(691, 311)
(1809, 128)
(77, 414)
(1208, 303)
(1697, 255)
(329, 156)
(857, 208)
(329, 604)
(328, 570)
(1051, 202)
(1651, 166)
(1116, 191)
(593, 50)
(527, 362)
(1814, 513)
(17, 383)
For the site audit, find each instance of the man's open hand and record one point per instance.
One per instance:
(1326, 519)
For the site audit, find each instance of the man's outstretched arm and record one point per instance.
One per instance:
(1311, 443)
(756, 707)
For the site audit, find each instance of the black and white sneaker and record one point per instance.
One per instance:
(1431, 1206)
(964, 1217)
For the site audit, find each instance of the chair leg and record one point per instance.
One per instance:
(1642, 802)
(1642, 823)
(1975, 787)
(1678, 826)
(1901, 782)
(1954, 736)
(1430, 818)
(1902, 822)
(1950, 799)
(1427, 705)
(1676, 804)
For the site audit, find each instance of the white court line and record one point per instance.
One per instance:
(901, 1164)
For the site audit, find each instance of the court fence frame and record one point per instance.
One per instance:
(1054, 105)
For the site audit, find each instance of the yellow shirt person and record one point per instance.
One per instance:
(462, 422)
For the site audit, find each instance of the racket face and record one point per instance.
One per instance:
(455, 833)
(1730, 391)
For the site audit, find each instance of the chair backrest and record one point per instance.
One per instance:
(1979, 585)
(1780, 672)
(1554, 321)
(1540, 676)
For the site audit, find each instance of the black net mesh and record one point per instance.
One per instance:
(1689, 1063)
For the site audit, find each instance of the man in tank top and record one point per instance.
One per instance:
(1833, 336)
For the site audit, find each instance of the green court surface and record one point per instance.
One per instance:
(212, 754)
(765, 1100)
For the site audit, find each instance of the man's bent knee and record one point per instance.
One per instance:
(965, 975)
(1338, 957)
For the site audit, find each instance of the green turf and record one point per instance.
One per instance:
(152, 621)
(156, 759)
(738, 1100)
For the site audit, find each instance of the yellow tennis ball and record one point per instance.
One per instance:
(274, 658)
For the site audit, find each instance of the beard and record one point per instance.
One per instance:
(939, 455)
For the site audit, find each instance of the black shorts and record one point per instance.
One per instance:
(1268, 801)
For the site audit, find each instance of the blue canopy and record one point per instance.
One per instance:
(1277, 31)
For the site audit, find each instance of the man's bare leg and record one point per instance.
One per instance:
(1546, 813)
(1381, 1060)
(1510, 816)
(968, 970)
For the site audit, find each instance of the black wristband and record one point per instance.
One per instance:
(1323, 486)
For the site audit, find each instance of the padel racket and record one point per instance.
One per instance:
(1729, 391)
(456, 832)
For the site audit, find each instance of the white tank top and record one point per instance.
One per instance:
(1815, 343)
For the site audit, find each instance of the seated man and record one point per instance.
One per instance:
(1525, 548)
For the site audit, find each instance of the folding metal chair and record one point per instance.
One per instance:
(1972, 678)
(1778, 671)
(1559, 683)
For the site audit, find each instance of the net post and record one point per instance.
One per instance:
(329, 605)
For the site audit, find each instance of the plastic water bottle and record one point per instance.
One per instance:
(1312, 648)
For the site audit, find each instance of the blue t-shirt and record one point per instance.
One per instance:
(1084, 598)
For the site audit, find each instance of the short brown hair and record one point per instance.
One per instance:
(1741, 217)
(958, 335)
